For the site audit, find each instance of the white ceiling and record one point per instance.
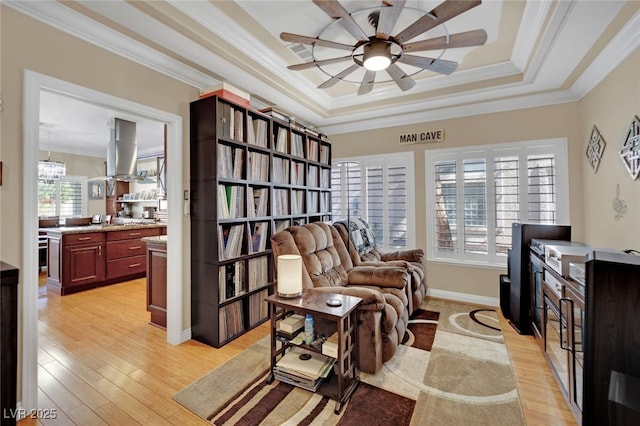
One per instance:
(538, 52)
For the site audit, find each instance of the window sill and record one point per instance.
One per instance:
(467, 263)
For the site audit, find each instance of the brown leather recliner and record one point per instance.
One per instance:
(364, 250)
(382, 315)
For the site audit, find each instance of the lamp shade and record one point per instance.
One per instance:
(289, 275)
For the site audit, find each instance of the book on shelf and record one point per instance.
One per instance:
(330, 346)
(258, 308)
(231, 320)
(229, 92)
(275, 113)
(312, 176)
(280, 172)
(297, 202)
(258, 272)
(258, 167)
(259, 237)
(291, 324)
(259, 199)
(303, 368)
(325, 178)
(312, 150)
(257, 131)
(282, 137)
(230, 201)
(297, 173)
(312, 206)
(230, 240)
(230, 161)
(324, 154)
(280, 202)
(297, 147)
(231, 277)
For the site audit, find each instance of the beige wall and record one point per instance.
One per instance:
(611, 107)
(26, 44)
(521, 125)
(81, 165)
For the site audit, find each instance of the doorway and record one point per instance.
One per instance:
(34, 83)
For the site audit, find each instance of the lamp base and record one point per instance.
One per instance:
(290, 295)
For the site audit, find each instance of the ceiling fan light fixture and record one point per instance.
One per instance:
(377, 56)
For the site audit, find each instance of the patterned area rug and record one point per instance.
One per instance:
(453, 368)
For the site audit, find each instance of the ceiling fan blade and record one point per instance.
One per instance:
(312, 64)
(333, 80)
(295, 38)
(388, 17)
(367, 82)
(441, 13)
(403, 81)
(466, 39)
(437, 65)
(335, 10)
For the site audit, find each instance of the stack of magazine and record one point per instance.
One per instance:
(303, 368)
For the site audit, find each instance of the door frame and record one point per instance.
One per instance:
(34, 83)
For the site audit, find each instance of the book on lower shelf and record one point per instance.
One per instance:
(330, 346)
(303, 368)
(291, 324)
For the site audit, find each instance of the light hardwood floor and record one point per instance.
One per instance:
(100, 362)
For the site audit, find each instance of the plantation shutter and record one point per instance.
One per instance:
(507, 196)
(64, 197)
(446, 206)
(397, 206)
(475, 206)
(542, 189)
(375, 201)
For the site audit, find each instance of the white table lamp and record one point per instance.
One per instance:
(289, 275)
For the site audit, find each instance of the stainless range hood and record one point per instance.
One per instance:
(122, 153)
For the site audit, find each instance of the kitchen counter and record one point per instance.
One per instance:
(84, 257)
(159, 240)
(64, 230)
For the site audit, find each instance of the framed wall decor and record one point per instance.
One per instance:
(630, 152)
(96, 190)
(595, 149)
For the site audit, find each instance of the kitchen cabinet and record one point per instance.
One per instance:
(126, 253)
(157, 279)
(81, 260)
(76, 261)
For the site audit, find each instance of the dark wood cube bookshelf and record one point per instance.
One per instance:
(242, 161)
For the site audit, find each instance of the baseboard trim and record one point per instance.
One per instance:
(464, 297)
(186, 334)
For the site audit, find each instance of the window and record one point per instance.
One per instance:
(376, 188)
(64, 197)
(475, 194)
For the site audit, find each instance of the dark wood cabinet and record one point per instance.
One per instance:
(8, 342)
(83, 260)
(157, 280)
(126, 253)
(76, 261)
(251, 175)
(592, 331)
(84, 264)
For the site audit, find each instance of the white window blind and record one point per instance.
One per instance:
(475, 195)
(376, 188)
(64, 197)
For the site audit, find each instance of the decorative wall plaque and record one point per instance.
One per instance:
(595, 149)
(630, 153)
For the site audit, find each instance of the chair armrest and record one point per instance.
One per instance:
(414, 255)
(372, 300)
(379, 276)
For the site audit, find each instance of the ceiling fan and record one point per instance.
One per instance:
(382, 51)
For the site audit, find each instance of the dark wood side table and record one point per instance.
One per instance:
(8, 341)
(341, 385)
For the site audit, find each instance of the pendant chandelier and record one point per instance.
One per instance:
(49, 170)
